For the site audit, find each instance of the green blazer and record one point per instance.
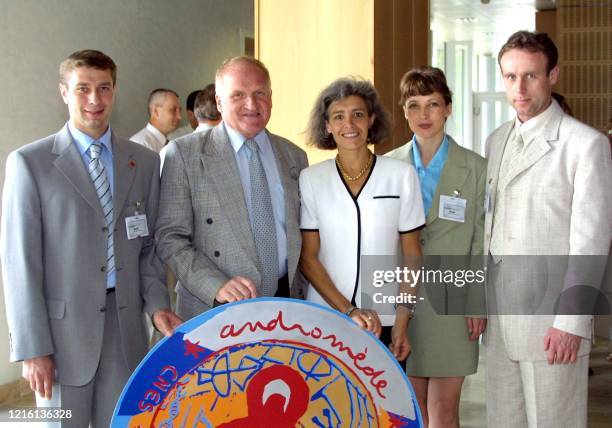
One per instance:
(465, 172)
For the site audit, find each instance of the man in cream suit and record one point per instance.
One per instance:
(79, 266)
(228, 221)
(549, 180)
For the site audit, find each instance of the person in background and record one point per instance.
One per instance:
(190, 112)
(164, 117)
(355, 205)
(205, 109)
(445, 346)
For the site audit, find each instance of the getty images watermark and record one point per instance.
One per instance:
(477, 285)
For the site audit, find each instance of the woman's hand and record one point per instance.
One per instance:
(476, 326)
(400, 346)
(368, 320)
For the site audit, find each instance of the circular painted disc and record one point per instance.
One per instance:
(268, 363)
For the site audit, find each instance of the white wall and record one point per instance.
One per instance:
(175, 44)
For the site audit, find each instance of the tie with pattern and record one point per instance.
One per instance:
(103, 190)
(510, 161)
(262, 222)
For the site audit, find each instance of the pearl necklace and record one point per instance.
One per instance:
(360, 174)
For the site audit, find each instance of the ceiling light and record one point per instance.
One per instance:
(467, 19)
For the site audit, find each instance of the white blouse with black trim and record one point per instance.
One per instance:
(369, 223)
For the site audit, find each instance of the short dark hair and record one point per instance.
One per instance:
(338, 90)
(424, 80)
(206, 104)
(532, 42)
(87, 58)
(190, 102)
(157, 96)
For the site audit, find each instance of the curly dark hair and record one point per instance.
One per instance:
(340, 89)
(532, 42)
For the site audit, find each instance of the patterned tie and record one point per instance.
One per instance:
(510, 162)
(103, 190)
(262, 219)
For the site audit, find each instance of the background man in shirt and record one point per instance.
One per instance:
(205, 109)
(549, 179)
(192, 122)
(164, 117)
(75, 282)
(229, 207)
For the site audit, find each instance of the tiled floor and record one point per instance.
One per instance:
(472, 408)
(473, 396)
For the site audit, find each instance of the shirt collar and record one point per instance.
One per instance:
(532, 128)
(237, 139)
(438, 159)
(83, 141)
(159, 136)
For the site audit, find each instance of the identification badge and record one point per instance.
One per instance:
(136, 226)
(452, 208)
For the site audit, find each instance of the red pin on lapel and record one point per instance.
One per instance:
(132, 163)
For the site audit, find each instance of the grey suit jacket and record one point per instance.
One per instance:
(558, 202)
(53, 248)
(203, 231)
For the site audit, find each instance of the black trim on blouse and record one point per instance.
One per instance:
(354, 198)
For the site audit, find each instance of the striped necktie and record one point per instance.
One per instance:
(103, 190)
(262, 219)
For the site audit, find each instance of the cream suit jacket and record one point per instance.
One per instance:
(558, 202)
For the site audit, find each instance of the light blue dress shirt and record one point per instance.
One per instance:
(430, 175)
(82, 142)
(277, 193)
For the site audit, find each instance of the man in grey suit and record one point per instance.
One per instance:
(79, 266)
(549, 181)
(228, 219)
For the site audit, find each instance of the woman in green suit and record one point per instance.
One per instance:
(444, 347)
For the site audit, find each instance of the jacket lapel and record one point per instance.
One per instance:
(125, 171)
(218, 158)
(70, 163)
(537, 148)
(452, 178)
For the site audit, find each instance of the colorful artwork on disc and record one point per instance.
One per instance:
(273, 363)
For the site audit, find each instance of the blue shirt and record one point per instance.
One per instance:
(277, 193)
(82, 142)
(430, 175)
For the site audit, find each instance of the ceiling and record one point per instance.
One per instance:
(488, 23)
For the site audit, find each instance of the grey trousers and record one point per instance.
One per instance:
(93, 404)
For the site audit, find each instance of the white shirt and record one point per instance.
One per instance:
(150, 137)
(388, 204)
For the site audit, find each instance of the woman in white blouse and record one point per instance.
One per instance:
(355, 205)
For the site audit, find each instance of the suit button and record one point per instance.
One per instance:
(103, 309)
(209, 220)
(217, 254)
(103, 269)
(105, 229)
